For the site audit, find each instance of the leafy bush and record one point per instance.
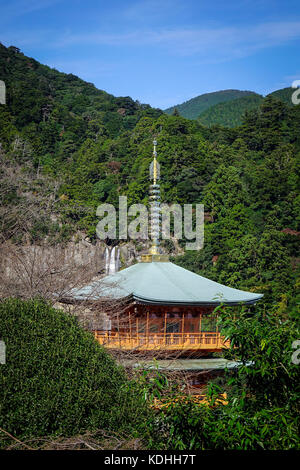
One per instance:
(189, 426)
(263, 393)
(57, 379)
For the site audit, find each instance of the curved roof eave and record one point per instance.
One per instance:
(149, 301)
(164, 284)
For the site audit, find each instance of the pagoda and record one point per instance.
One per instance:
(157, 307)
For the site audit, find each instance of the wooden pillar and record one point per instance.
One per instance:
(119, 330)
(129, 326)
(165, 327)
(200, 328)
(182, 328)
(147, 326)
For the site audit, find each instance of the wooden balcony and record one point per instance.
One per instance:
(162, 341)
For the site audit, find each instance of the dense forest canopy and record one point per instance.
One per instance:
(64, 140)
(227, 107)
(230, 113)
(192, 108)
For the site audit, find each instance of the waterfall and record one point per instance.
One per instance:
(118, 259)
(106, 260)
(112, 260)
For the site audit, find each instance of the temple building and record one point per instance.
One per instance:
(157, 307)
(164, 307)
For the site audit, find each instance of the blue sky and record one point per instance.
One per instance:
(161, 52)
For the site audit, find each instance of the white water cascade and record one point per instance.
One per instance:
(112, 260)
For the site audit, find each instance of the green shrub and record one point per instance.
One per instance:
(189, 426)
(57, 379)
(262, 410)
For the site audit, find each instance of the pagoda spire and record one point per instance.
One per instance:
(154, 166)
(155, 202)
(155, 211)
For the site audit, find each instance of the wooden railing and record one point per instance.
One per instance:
(164, 341)
(198, 399)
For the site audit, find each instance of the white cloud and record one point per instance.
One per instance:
(207, 45)
(16, 8)
(221, 43)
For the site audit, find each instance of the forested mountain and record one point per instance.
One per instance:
(41, 96)
(225, 108)
(66, 147)
(285, 95)
(48, 116)
(230, 113)
(191, 109)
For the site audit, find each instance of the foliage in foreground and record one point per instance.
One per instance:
(263, 394)
(57, 379)
(59, 383)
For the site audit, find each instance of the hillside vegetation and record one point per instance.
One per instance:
(230, 113)
(191, 109)
(285, 95)
(56, 168)
(225, 108)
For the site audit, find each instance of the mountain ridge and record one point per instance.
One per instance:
(225, 107)
(191, 109)
(230, 113)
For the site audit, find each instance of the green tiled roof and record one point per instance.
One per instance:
(163, 283)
